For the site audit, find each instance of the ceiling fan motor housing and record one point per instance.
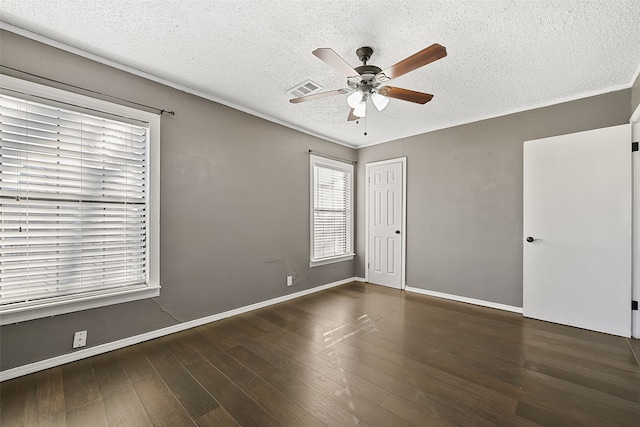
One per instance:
(367, 72)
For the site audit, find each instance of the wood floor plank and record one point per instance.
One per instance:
(500, 375)
(545, 418)
(271, 399)
(90, 414)
(634, 344)
(585, 353)
(45, 401)
(222, 339)
(319, 405)
(135, 364)
(13, 397)
(124, 409)
(570, 332)
(79, 383)
(576, 405)
(239, 404)
(161, 405)
(334, 372)
(393, 355)
(625, 392)
(610, 373)
(430, 412)
(354, 355)
(278, 332)
(219, 417)
(241, 407)
(381, 365)
(193, 397)
(447, 386)
(109, 374)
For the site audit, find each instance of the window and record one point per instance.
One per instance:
(331, 211)
(78, 202)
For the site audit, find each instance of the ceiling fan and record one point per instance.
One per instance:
(365, 82)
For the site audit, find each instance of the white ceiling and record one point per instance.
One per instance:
(503, 56)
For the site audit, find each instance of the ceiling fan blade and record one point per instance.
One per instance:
(318, 96)
(333, 59)
(417, 60)
(352, 117)
(405, 94)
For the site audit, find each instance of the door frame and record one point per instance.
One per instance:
(403, 216)
(635, 223)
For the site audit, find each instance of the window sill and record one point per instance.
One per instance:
(325, 261)
(38, 309)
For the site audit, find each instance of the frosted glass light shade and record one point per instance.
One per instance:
(379, 101)
(355, 98)
(360, 109)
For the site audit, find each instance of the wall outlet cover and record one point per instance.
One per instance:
(79, 339)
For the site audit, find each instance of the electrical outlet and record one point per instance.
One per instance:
(79, 339)
(289, 280)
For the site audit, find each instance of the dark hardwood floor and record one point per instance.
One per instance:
(356, 355)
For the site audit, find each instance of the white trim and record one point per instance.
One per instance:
(44, 308)
(76, 51)
(125, 342)
(458, 298)
(332, 260)
(403, 244)
(360, 279)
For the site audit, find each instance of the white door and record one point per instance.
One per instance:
(577, 230)
(385, 213)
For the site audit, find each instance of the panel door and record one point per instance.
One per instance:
(385, 224)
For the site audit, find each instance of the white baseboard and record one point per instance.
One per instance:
(458, 298)
(359, 279)
(125, 342)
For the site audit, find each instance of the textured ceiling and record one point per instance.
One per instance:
(503, 56)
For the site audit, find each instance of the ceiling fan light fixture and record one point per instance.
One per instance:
(360, 109)
(379, 101)
(355, 98)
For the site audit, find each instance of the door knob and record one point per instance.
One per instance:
(530, 239)
(397, 231)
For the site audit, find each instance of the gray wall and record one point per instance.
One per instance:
(234, 210)
(464, 196)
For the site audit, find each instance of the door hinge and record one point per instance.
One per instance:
(634, 146)
(634, 305)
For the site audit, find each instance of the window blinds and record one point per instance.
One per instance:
(331, 211)
(73, 203)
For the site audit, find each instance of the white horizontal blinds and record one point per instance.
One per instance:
(73, 195)
(331, 211)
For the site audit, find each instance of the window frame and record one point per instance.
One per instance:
(66, 304)
(320, 161)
